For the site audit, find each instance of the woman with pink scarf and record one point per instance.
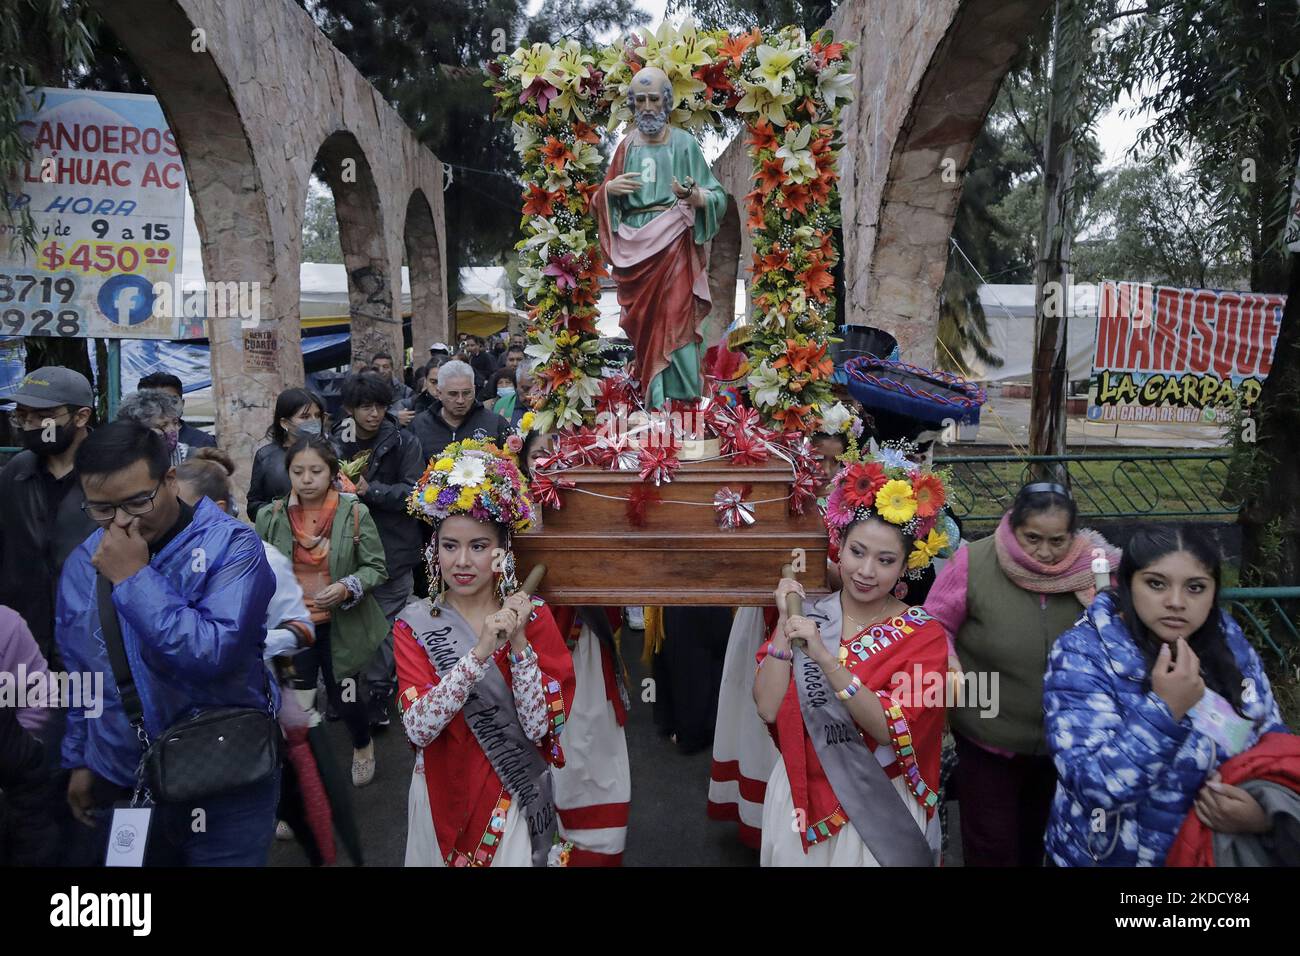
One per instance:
(1004, 600)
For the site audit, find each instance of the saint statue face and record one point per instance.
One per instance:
(650, 98)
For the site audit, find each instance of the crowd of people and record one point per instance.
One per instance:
(375, 565)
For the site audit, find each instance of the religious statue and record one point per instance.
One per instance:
(657, 208)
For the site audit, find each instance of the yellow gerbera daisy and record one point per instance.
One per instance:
(895, 503)
(443, 464)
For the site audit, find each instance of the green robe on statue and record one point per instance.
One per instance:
(658, 164)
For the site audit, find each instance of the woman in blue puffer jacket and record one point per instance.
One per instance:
(1144, 698)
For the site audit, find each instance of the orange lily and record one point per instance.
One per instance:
(556, 153)
(762, 136)
(584, 133)
(796, 199)
(810, 358)
(779, 259)
(770, 176)
(588, 191)
(816, 279)
(791, 419)
(538, 202)
(736, 46)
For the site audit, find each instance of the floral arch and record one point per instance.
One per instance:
(787, 89)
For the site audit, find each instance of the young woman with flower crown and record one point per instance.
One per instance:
(852, 689)
(485, 681)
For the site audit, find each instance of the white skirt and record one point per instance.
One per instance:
(516, 848)
(596, 773)
(782, 845)
(743, 752)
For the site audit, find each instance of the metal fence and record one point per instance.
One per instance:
(1117, 485)
(1260, 613)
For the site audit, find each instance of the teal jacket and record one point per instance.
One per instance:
(356, 551)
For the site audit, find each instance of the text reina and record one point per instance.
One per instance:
(77, 909)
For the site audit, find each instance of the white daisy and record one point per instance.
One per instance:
(467, 472)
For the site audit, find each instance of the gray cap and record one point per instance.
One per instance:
(53, 386)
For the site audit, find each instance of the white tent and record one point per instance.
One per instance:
(1010, 313)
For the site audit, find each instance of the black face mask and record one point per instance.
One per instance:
(63, 435)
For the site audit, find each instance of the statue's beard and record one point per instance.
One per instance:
(651, 124)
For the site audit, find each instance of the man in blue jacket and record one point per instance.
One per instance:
(191, 587)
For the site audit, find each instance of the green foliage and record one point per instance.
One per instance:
(1153, 223)
(42, 43)
(739, 16)
(320, 227)
(1219, 78)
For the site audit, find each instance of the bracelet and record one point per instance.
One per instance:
(779, 655)
(853, 688)
(528, 655)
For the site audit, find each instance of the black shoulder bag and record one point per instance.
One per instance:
(211, 753)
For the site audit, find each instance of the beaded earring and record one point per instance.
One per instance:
(900, 589)
(507, 584)
(437, 586)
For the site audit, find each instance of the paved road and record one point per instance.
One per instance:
(667, 827)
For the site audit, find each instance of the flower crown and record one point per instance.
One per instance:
(889, 486)
(476, 479)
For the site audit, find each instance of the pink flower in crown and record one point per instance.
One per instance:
(838, 512)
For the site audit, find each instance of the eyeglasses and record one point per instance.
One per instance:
(139, 505)
(37, 417)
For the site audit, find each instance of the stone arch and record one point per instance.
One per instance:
(724, 270)
(230, 207)
(256, 93)
(342, 165)
(927, 74)
(429, 323)
(897, 277)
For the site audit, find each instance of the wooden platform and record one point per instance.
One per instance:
(680, 557)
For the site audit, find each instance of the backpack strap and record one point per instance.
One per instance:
(356, 526)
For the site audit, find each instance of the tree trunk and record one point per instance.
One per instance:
(1270, 510)
(1051, 277)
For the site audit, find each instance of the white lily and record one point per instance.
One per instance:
(796, 159)
(764, 385)
(585, 156)
(544, 233)
(542, 421)
(585, 387)
(575, 240)
(537, 60)
(568, 415)
(775, 66)
(569, 103)
(525, 137)
(556, 179)
(571, 65)
(758, 99)
(543, 348)
(798, 300)
(835, 84)
(532, 281)
(657, 44)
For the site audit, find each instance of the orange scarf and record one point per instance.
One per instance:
(309, 548)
